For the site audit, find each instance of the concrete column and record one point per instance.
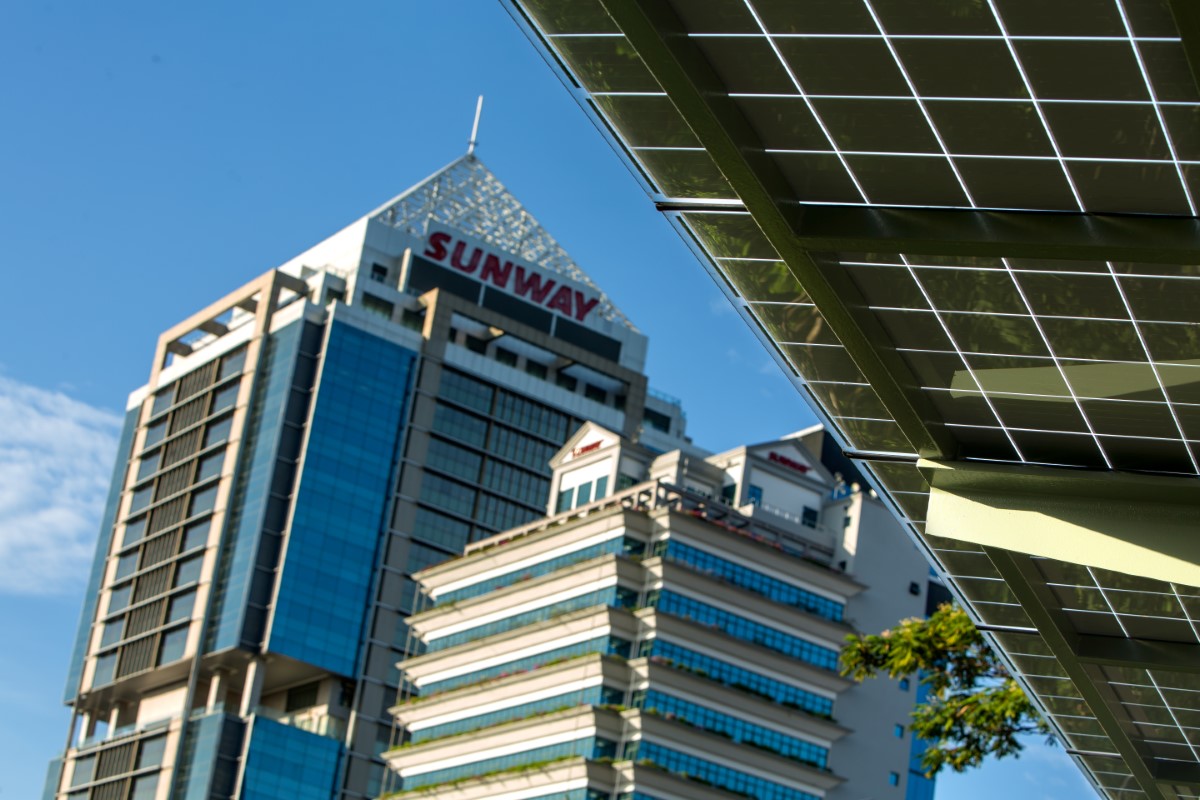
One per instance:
(216, 692)
(252, 690)
(113, 715)
(85, 728)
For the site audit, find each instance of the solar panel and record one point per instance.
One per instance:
(968, 231)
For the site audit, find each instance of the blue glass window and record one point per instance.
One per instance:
(772, 588)
(181, 606)
(189, 570)
(602, 644)
(155, 433)
(126, 565)
(589, 748)
(754, 494)
(460, 425)
(149, 465)
(583, 494)
(454, 460)
(196, 535)
(141, 498)
(739, 730)
(610, 596)
(748, 630)
(225, 397)
(671, 654)
(118, 598)
(448, 495)
(893, 779)
(466, 391)
(218, 431)
(203, 501)
(172, 645)
(210, 466)
(112, 632)
(450, 533)
(134, 530)
(615, 545)
(232, 364)
(106, 665)
(718, 774)
(151, 752)
(565, 500)
(594, 695)
(162, 401)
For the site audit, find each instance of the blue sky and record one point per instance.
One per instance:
(153, 156)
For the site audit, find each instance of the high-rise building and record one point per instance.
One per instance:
(301, 446)
(669, 632)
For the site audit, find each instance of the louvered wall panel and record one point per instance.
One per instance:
(197, 381)
(189, 414)
(153, 583)
(168, 514)
(145, 618)
(115, 761)
(137, 656)
(178, 449)
(160, 549)
(174, 481)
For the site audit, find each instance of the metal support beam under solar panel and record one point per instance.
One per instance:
(678, 66)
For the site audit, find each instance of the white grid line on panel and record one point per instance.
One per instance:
(1162, 122)
(808, 102)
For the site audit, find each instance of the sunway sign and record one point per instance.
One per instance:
(787, 462)
(523, 280)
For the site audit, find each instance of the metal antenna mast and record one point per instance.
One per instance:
(475, 127)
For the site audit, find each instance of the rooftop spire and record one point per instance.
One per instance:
(475, 127)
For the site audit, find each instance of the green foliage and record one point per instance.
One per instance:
(974, 708)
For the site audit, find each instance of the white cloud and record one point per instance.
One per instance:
(56, 457)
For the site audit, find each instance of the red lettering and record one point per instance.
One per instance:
(582, 306)
(587, 448)
(787, 462)
(561, 301)
(437, 246)
(531, 284)
(494, 272)
(456, 259)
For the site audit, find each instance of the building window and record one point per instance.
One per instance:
(152, 752)
(476, 345)
(658, 421)
(196, 535)
(299, 697)
(893, 779)
(181, 607)
(149, 465)
(904, 684)
(113, 632)
(134, 530)
(564, 500)
(126, 565)
(106, 665)
(334, 296)
(625, 481)
(218, 431)
(232, 364)
(413, 320)
(203, 501)
(583, 494)
(162, 401)
(172, 646)
(506, 356)
(564, 381)
(379, 273)
(537, 370)
(210, 466)
(226, 397)
(85, 768)
(593, 392)
(601, 486)
(141, 498)
(377, 305)
(898, 730)
(809, 517)
(118, 598)
(914, 589)
(189, 570)
(155, 433)
(754, 495)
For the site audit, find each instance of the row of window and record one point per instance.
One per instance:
(611, 645)
(611, 596)
(771, 588)
(618, 544)
(506, 406)
(582, 494)
(717, 774)
(737, 677)
(231, 364)
(594, 748)
(748, 630)
(497, 476)
(171, 646)
(593, 695)
(739, 730)
(149, 754)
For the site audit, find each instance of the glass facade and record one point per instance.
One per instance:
(339, 514)
(717, 774)
(671, 654)
(211, 747)
(603, 644)
(918, 786)
(595, 695)
(92, 594)
(618, 544)
(590, 747)
(286, 763)
(248, 510)
(772, 588)
(740, 627)
(611, 596)
(735, 728)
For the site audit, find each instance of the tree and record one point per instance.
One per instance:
(974, 708)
